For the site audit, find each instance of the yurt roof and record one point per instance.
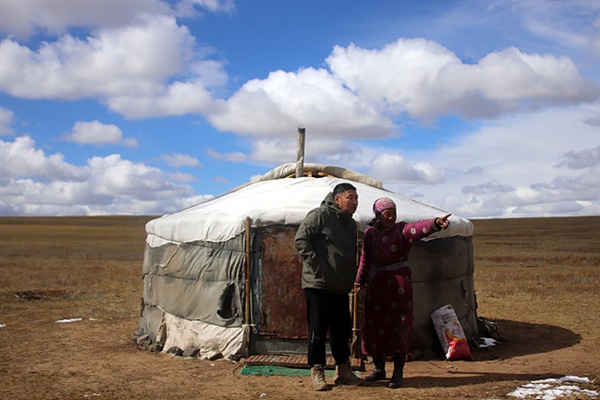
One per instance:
(278, 199)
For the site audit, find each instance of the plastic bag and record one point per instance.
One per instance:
(451, 334)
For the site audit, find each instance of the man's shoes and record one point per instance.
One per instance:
(317, 375)
(345, 376)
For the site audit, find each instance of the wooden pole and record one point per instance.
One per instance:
(355, 329)
(355, 294)
(248, 318)
(300, 157)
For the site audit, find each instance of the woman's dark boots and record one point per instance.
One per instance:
(396, 380)
(378, 373)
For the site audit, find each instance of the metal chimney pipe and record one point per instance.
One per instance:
(300, 157)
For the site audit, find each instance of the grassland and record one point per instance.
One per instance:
(538, 278)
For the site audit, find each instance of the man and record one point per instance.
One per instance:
(326, 240)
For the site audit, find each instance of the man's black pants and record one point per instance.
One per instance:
(328, 311)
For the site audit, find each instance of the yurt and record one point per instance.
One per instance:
(223, 277)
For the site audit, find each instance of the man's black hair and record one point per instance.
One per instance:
(341, 188)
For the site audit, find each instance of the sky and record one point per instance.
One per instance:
(485, 109)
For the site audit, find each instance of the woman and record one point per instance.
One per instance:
(384, 271)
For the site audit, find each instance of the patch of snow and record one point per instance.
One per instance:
(486, 342)
(550, 389)
(585, 379)
(67, 320)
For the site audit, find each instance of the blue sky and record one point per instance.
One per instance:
(485, 109)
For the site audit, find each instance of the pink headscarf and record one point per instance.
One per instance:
(383, 203)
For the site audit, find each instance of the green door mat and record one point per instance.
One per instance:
(272, 370)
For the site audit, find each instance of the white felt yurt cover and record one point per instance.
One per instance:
(281, 202)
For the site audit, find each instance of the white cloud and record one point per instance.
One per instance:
(523, 160)
(394, 168)
(20, 159)
(115, 175)
(559, 27)
(181, 177)
(34, 183)
(583, 187)
(394, 74)
(334, 151)
(186, 8)
(6, 120)
(311, 97)
(367, 88)
(556, 208)
(130, 68)
(543, 163)
(275, 150)
(151, 67)
(22, 18)
(561, 22)
(178, 98)
(582, 159)
(285, 149)
(487, 188)
(425, 80)
(99, 134)
(234, 156)
(177, 160)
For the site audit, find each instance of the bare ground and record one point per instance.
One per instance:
(42, 359)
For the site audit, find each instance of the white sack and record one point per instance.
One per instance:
(451, 334)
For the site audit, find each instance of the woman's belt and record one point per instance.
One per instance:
(391, 267)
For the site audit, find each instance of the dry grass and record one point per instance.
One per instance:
(72, 263)
(521, 265)
(540, 270)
